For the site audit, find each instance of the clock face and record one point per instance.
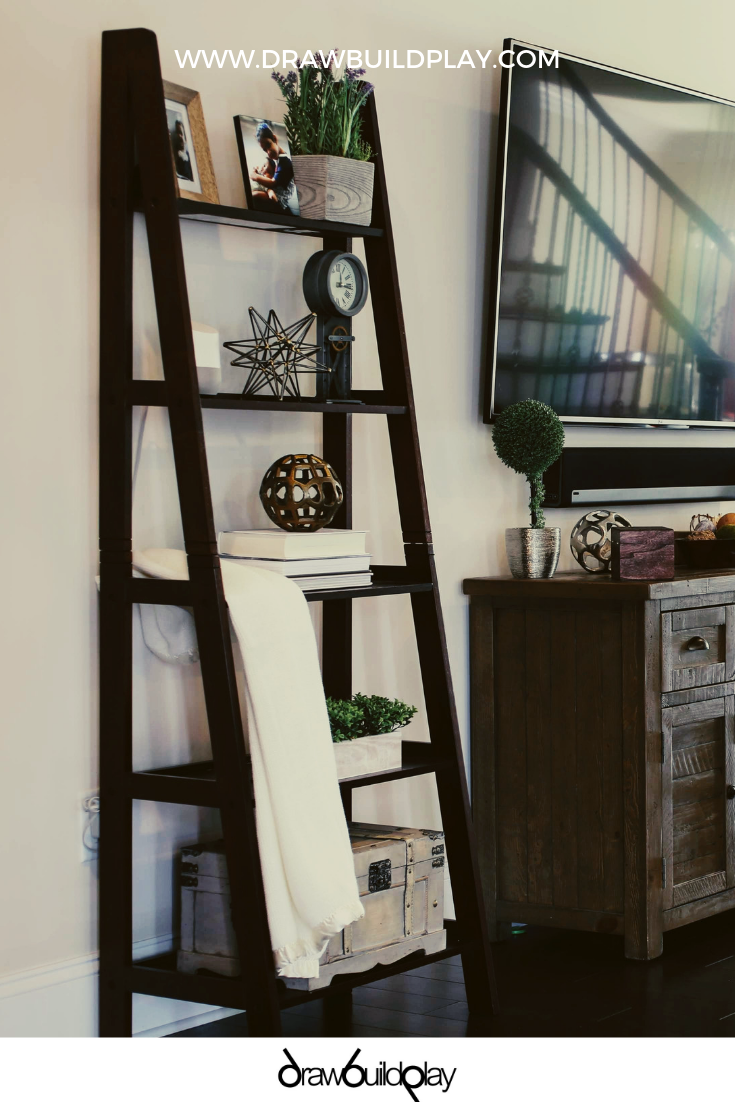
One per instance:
(335, 283)
(345, 284)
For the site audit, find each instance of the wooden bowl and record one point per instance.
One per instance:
(704, 554)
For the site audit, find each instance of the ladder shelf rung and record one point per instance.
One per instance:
(419, 758)
(396, 579)
(195, 783)
(153, 392)
(374, 403)
(455, 945)
(193, 210)
(158, 591)
(158, 976)
(387, 581)
(176, 786)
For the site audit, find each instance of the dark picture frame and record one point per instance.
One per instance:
(190, 155)
(257, 155)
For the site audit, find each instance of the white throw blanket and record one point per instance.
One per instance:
(308, 870)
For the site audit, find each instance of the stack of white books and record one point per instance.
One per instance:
(332, 558)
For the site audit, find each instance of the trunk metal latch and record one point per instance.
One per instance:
(379, 876)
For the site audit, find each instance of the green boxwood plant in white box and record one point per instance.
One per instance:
(364, 733)
(331, 160)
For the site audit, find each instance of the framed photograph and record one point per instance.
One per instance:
(267, 171)
(192, 160)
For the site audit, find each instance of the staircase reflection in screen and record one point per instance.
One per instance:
(618, 248)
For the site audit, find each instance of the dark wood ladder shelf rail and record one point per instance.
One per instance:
(134, 121)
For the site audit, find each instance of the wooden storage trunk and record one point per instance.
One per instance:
(400, 873)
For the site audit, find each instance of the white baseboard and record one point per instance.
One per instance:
(60, 1000)
(48, 975)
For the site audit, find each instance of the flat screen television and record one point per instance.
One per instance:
(613, 278)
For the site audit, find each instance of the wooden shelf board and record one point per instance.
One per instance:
(153, 392)
(174, 786)
(305, 405)
(158, 976)
(416, 769)
(395, 580)
(195, 782)
(377, 589)
(193, 210)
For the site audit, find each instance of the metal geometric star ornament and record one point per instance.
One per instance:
(276, 355)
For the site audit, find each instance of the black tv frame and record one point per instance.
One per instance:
(512, 45)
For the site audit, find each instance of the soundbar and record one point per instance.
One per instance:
(616, 476)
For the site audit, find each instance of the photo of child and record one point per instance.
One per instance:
(182, 146)
(267, 168)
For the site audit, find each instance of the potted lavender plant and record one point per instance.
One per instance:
(331, 161)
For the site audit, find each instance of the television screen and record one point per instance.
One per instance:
(614, 259)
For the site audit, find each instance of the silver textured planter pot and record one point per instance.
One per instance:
(334, 189)
(532, 552)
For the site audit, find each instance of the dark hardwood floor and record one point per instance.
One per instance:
(552, 983)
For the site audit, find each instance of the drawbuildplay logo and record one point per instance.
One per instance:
(411, 1077)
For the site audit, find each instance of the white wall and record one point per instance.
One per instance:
(438, 132)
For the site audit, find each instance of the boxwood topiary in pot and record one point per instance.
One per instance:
(528, 437)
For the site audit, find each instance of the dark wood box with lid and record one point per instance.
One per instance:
(603, 753)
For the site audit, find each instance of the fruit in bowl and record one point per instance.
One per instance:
(727, 520)
(726, 531)
(702, 527)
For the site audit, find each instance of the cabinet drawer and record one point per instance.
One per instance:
(697, 647)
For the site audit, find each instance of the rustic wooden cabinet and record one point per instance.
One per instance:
(603, 752)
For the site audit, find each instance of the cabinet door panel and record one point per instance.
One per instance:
(692, 817)
(701, 787)
(698, 820)
(705, 842)
(694, 759)
(700, 732)
(700, 887)
(558, 757)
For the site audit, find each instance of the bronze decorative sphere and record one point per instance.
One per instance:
(591, 542)
(301, 493)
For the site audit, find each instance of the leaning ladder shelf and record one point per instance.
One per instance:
(136, 175)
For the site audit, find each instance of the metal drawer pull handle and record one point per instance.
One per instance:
(697, 643)
(730, 791)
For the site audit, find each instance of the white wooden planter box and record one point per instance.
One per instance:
(334, 189)
(372, 754)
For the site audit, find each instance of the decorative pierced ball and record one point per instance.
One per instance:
(301, 493)
(590, 539)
